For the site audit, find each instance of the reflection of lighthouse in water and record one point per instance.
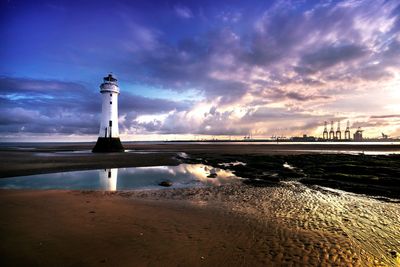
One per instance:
(108, 179)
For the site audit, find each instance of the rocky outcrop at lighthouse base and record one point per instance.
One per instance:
(107, 145)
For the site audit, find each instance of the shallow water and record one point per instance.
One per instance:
(86, 152)
(233, 163)
(183, 175)
(350, 152)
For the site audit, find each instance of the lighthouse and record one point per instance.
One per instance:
(108, 140)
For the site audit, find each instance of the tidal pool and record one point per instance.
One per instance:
(183, 175)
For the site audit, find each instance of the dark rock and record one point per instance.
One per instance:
(165, 183)
(212, 175)
(393, 253)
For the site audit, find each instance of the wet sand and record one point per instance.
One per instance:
(20, 163)
(61, 228)
(231, 225)
(331, 227)
(272, 224)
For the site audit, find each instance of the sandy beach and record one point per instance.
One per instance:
(268, 221)
(61, 228)
(225, 226)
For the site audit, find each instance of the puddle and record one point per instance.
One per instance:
(233, 163)
(141, 151)
(288, 166)
(74, 152)
(350, 152)
(183, 155)
(89, 152)
(184, 175)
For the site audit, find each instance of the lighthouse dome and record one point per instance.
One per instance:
(110, 78)
(109, 84)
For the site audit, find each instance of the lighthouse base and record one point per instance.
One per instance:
(107, 145)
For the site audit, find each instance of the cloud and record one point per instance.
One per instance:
(211, 122)
(230, 16)
(51, 106)
(326, 57)
(283, 69)
(140, 38)
(183, 12)
(293, 65)
(385, 116)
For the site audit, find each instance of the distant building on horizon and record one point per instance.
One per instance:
(303, 138)
(108, 140)
(358, 135)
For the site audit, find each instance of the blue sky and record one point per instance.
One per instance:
(199, 68)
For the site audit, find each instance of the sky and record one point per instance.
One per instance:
(199, 69)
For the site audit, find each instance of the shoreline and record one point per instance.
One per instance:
(266, 146)
(359, 173)
(21, 161)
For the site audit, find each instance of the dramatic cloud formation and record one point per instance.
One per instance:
(54, 107)
(201, 68)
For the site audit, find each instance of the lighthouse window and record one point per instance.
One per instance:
(110, 94)
(110, 102)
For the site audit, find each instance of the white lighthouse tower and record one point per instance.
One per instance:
(108, 140)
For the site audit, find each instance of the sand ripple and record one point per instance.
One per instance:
(307, 226)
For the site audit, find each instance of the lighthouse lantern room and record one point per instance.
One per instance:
(108, 140)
